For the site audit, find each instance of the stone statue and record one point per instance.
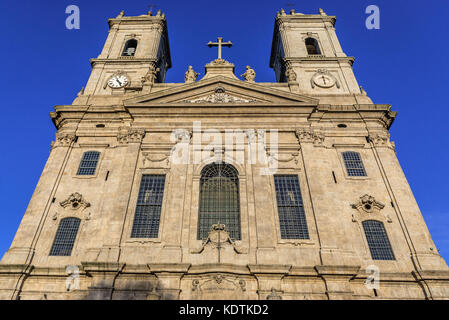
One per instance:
(249, 74)
(291, 74)
(150, 77)
(190, 75)
(121, 14)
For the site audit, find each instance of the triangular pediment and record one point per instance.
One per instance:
(222, 90)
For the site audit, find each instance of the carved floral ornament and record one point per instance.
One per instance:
(130, 135)
(220, 96)
(382, 140)
(223, 282)
(368, 205)
(63, 139)
(75, 201)
(76, 204)
(307, 136)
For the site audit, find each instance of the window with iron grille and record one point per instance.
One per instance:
(149, 204)
(65, 237)
(292, 218)
(377, 239)
(88, 164)
(219, 200)
(354, 165)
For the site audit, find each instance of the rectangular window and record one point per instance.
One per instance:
(354, 164)
(292, 218)
(149, 205)
(88, 164)
(65, 237)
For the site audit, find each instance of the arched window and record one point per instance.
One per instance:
(377, 239)
(88, 164)
(219, 199)
(353, 163)
(149, 206)
(130, 48)
(65, 237)
(312, 46)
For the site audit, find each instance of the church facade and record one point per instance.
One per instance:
(222, 187)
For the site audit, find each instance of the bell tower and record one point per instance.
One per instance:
(306, 52)
(136, 54)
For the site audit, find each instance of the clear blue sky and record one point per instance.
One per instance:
(403, 64)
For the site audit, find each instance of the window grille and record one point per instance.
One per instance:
(88, 164)
(219, 200)
(149, 205)
(354, 164)
(377, 239)
(292, 218)
(65, 237)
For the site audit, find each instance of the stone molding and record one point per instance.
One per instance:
(308, 136)
(130, 135)
(63, 139)
(382, 140)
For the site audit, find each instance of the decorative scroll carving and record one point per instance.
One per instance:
(368, 205)
(220, 96)
(219, 286)
(218, 237)
(284, 159)
(152, 157)
(75, 201)
(305, 136)
(130, 135)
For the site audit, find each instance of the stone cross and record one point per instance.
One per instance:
(219, 44)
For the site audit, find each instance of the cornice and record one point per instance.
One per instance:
(143, 19)
(307, 17)
(126, 60)
(320, 58)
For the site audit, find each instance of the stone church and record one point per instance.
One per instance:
(220, 186)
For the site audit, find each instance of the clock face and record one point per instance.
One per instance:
(118, 81)
(324, 81)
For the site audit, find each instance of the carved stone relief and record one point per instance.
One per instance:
(306, 136)
(220, 96)
(130, 135)
(368, 206)
(219, 286)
